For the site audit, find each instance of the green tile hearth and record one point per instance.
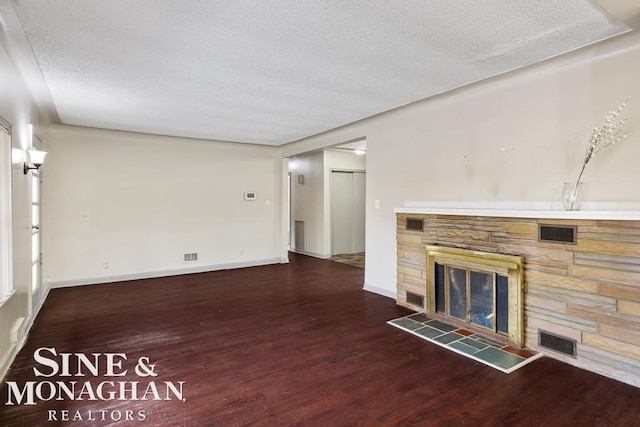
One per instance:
(428, 332)
(408, 323)
(471, 345)
(499, 357)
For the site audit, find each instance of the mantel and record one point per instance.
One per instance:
(621, 211)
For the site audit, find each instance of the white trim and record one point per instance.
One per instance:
(12, 352)
(6, 222)
(380, 291)
(629, 210)
(313, 254)
(6, 362)
(162, 273)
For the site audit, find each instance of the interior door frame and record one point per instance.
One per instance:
(329, 200)
(37, 291)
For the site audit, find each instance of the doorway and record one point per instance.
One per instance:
(347, 212)
(36, 239)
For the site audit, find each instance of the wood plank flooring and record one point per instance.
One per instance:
(297, 344)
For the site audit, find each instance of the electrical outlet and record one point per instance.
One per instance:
(105, 265)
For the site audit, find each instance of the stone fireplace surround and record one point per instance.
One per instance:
(588, 292)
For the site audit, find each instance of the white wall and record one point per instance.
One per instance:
(139, 202)
(515, 137)
(16, 106)
(307, 202)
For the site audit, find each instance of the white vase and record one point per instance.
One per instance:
(572, 195)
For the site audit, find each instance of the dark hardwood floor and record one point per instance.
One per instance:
(297, 344)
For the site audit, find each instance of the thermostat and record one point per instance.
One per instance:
(250, 195)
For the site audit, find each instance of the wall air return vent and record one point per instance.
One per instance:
(557, 343)
(557, 233)
(415, 299)
(415, 224)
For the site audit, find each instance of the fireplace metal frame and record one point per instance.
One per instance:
(509, 265)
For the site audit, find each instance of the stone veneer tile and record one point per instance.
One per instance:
(615, 346)
(520, 228)
(553, 280)
(618, 291)
(546, 303)
(628, 307)
(408, 271)
(607, 275)
(621, 334)
(609, 248)
(598, 316)
(557, 255)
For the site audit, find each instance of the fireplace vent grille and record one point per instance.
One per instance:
(557, 343)
(415, 224)
(415, 299)
(557, 233)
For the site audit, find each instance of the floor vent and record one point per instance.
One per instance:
(557, 233)
(415, 299)
(415, 224)
(557, 343)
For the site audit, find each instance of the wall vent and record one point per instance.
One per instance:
(190, 257)
(415, 299)
(415, 224)
(557, 343)
(298, 229)
(557, 233)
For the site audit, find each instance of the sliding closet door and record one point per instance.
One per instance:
(347, 212)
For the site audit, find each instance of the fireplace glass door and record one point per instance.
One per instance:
(476, 297)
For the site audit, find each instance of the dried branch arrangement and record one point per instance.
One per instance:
(602, 137)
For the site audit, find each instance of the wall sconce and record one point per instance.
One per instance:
(36, 158)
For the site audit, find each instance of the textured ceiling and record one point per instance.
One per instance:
(275, 71)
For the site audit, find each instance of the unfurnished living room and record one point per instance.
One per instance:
(189, 191)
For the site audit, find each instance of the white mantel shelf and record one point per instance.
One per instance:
(620, 211)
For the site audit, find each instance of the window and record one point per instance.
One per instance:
(6, 278)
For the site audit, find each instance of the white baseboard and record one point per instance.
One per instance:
(380, 291)
(22, 335)
(162, 273)
(7, 360)
(11, 354)
(313, 254)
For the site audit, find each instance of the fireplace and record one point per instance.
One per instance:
(581, 301)
(476, 290)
